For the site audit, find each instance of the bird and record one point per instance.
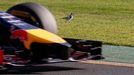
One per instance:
(69, 17)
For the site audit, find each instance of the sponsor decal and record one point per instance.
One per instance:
(19, 34)
(1, 13)
(7, 16)
(1, 56)
(12, 20)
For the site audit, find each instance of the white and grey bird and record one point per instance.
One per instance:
(69, 17)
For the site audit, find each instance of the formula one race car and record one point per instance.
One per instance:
(28, 35)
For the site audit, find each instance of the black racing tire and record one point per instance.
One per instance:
(36, 15)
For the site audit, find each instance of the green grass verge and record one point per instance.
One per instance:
(118, 54)
(110, 21)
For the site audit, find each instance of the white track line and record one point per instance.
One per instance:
(107, 63)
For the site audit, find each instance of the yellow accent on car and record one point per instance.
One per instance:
(20, 13)
(41, 36)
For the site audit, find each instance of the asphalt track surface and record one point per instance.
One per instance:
(71, 68)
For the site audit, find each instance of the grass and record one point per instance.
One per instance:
(110, 21)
